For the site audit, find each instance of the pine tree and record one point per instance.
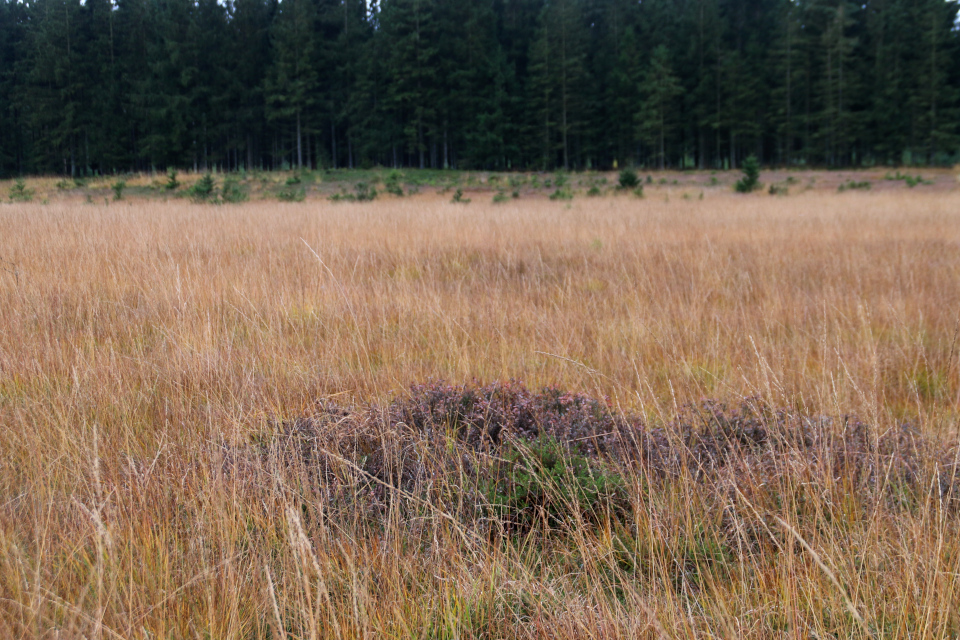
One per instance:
(368, 106)
(106, 85)
(250, 48)
(12, 152)
(292, 80)
(625, 88)
(937, 108)
(559, 75)
(411, 36)
(838, 47)
(54, 83)
(659, 88)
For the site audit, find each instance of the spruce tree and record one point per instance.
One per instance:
(659, 88)
(559, 76)
(291, 82)
(411, 37)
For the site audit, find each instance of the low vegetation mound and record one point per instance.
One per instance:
(505, 455)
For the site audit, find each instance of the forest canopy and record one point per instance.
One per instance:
(99, 86)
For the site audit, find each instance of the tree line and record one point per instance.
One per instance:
(98, 86)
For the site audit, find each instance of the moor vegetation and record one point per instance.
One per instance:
(597, 417)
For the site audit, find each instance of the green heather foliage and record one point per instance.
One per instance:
(91, 88)
(542, 480)
(118, 188)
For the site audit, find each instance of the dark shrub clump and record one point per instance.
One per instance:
(511, 457)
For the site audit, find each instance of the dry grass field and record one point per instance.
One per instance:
(154, 358)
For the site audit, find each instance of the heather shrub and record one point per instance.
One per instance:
(504, 452)
(541, 481)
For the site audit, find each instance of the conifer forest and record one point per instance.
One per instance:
(99, 86)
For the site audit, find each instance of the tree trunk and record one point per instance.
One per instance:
(299, 144)
(333, 143)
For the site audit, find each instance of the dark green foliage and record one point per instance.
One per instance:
(292, 194)
(365, 192)
(751, 176)
(19, 191)
(500, 196)
(391, 184)
(232, 191)
(911, 181)
(562, 194)
(172, 183)
(203, 189)
(118, 188)
(542, 481)
(98, 88)
(628, 179)
(863, 185)
(660, 88)
(458, 197)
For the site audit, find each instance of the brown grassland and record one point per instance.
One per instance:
(151, 352)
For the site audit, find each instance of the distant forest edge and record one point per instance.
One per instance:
(99, 86)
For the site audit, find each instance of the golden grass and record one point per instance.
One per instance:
(137, 337)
